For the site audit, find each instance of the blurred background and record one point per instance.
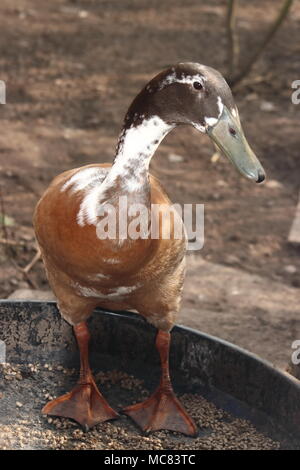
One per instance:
(72, 67)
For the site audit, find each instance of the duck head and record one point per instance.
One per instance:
(190, 93)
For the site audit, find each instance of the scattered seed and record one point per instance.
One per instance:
(218, 429)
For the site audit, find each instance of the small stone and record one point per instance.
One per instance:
(215, 157)
(267, 106)
(83, 14)
(222, 183)
(252, 97)
(235, 292)
(231, 259)
(273, 184)
(290, 268)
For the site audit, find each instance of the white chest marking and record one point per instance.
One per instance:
(115, 293)
(111, 260)
(98, 276)
(85, 178)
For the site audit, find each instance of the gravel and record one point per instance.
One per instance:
(24, 389)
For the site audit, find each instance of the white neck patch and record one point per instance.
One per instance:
(135, 150)
(136, 147)
(142, 140)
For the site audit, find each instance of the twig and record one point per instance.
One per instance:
(253, 81)
(232, 37)
(30, 281)
(5, 241)
(10, 243)
(2, 207)
(32, 262)
(294, 235)
(8, 246)
(260, 49)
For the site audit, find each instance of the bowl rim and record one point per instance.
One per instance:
(181, 329)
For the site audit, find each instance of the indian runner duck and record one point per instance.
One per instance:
(87, 266)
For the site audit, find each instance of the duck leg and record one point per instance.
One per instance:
(84, 403)
(162, 410)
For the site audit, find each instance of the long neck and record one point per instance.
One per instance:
(137, 143)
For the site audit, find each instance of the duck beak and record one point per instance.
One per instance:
(228, 135)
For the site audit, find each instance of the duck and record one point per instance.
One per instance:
(92, 261)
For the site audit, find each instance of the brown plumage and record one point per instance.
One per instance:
(74, 256)
(145, 273)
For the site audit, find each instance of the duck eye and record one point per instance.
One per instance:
(198, 85)
(232, 131)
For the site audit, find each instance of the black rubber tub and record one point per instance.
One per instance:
(230, 377)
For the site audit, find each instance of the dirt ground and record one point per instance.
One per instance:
(73, 67)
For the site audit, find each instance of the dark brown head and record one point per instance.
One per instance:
(195, 94)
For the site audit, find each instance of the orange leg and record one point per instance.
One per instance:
(162, 410)
(84, 403)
